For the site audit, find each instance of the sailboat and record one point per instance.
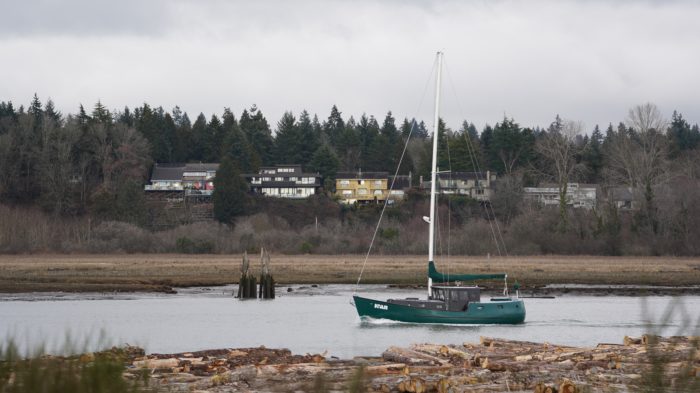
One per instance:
(448, 302)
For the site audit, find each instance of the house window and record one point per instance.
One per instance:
(345, 182)
(292, 178)
(377, 182)
(378, 192)
(347, 192)
(268, 171)
(361, 191)
(266, 178)
(279, 178)
(285, 170)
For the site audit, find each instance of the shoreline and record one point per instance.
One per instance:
(164, 273)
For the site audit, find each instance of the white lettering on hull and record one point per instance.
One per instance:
(381, 306)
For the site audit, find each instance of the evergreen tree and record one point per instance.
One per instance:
(367, 131)
(510, 146)
(150, 123)
(464, 148)
(349, 147)
(236, 145)
(681, 136)
(214, 141)
(199, 138)
(183, 145)
(230, 192)
(334, 127)
(309, 139)
(169, 134)
(51, 112)
(288, 140)
(325, 162)
(126, 117)
(101, 114)
(592, 156)
(257, 131)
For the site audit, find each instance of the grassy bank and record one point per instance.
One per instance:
(161, 272)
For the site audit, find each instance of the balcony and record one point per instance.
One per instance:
(156, 187)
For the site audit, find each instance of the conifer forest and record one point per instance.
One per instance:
(74, 182)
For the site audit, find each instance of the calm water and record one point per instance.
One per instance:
(313, 320)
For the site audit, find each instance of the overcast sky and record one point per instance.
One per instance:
(530, 60)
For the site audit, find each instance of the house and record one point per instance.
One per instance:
(399, 185)
(476, 185)
(192, 178)
(577, 195)
(623, 198)
(284, 181)
(367, 187)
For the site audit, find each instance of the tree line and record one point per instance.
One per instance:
(97, 160)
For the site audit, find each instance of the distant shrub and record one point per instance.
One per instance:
(389, 233)
(306, 248)
(116, 236)
(186, 245)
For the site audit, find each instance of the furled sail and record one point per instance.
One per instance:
(440, 277)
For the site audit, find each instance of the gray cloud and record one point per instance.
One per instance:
(530, 60)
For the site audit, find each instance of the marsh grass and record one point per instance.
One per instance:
(672, 367)
(98, 372)
(149, 272)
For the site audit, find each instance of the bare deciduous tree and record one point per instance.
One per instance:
(559, 147)
(636, 157)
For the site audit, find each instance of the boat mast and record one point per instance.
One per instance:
(433, 174)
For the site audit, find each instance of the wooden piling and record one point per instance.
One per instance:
(267, 283)
(247, 283)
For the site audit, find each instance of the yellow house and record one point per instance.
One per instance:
(361, 187)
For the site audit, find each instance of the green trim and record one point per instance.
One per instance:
(440, 277)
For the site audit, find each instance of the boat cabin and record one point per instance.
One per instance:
(444, 298)
(456, 298)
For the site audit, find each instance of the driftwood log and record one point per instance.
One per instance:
(492, 365)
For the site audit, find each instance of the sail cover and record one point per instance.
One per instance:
(440, 277)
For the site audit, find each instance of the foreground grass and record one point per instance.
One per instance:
(100, 372)
(158, 272)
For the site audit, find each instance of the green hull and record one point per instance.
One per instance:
(495, 312)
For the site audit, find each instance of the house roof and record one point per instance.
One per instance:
(622, 194)
(167, 172)
(297, 171)
(402, 182)
(463, 176)
(174, 172)
(362, 175)
(201, 167)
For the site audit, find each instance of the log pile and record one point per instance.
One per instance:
(492, 365)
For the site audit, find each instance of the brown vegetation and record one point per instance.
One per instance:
(161, 272)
